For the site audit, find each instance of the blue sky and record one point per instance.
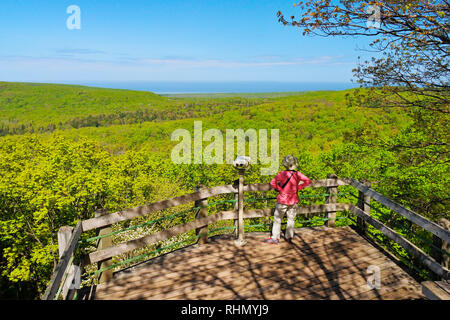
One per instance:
(160, 40)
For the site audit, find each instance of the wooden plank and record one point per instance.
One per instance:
(408, 214)
(173, 281)
(217, 283)
(157, 274)
(270, 277)
(397, 291)
(433, 291)
(192, 257)
(61, 267)
(339, 286)
(224, 288)
(263, 277)
(351, 291)
(326, 285)
(332, 270)
(237, 273)
(215, 246)
(407, 245)
(391, 276)
(175, 265)
(217, 249)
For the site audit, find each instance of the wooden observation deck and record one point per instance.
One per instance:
(322, 262)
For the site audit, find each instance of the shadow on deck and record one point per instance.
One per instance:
(321, 263)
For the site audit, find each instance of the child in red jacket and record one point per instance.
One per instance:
(287, 183)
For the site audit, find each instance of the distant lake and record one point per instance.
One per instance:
(217, 87)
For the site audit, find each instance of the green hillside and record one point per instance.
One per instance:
(128, 119)
(30, 107)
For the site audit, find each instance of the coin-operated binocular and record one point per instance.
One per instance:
(241, 163)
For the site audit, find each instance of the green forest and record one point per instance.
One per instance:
(66, 151)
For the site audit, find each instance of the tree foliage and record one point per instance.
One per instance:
(409, 70)
(411, 46)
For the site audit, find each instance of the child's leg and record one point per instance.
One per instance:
(280, 209)
(291, 212)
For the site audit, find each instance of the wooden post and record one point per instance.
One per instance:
(331, 199)
(73, 274)
(64, 261)
(104, 243)
(240, 241)
(438, 255)
(64, 235)
(363, 204)
(203, 212)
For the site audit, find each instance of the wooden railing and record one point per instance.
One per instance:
(64, 277)
(435, 229)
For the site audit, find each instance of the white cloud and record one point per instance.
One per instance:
(87, 67)
(271, 61)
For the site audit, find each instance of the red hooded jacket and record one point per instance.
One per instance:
(288, 195)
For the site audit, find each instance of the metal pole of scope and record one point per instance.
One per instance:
(240, 241)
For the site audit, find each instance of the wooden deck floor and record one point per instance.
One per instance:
(322, 263)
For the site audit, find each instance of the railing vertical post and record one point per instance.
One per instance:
(363, 204)
(331, 199)
(240, 241)
(104, 243)
(64, 235)
(437, 254)
(203, 212)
